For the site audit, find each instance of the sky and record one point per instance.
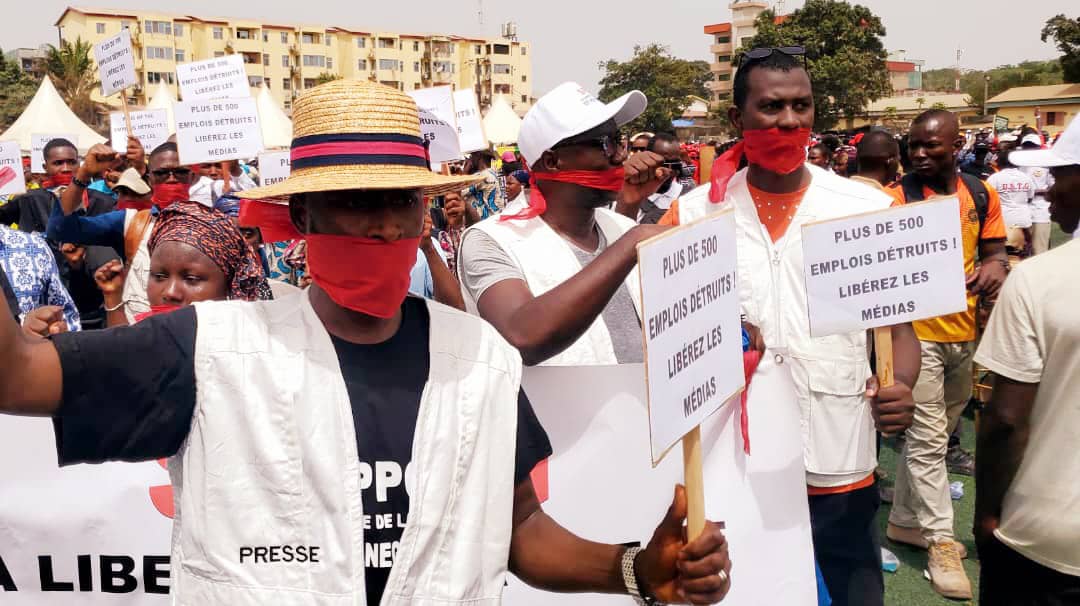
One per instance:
(570, 38)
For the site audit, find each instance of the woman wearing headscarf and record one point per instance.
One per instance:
(196, 254)
(516, 182)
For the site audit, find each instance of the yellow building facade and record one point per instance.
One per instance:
(1048, 108)
(290, 58)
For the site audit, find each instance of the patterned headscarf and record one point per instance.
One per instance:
(214, 234)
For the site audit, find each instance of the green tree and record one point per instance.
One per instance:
(1002, 78)
(1066, 32)
(921, 101)
(16, 90)
(325, 77)
(75, 76)
(666, 80)
(939, 105)
(845, 55)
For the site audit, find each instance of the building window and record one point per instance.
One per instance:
(307, 39)
(286, 84)
(159, 27)
(314, 61)
(524, 78)
(288, 105)
(416, 66)
(524, 51)
(101, 28)
(180, 55)
(329, 63)
(723, 58)
(390, 64)
(362, 65)
(501, 49)
(723, 39)
(255, 81)
(219, 33)
(284, 37)
(284, 61)
(309, 82)
(524, 98)
(155, 77)
(266, 36)
(416, 46)
(266, 59)
(219, 54)
(723, 77)
(361, 42)
(503, 89)
(329, 39)
(1052, 118)
(158, 52)
(386, 43)
(477, 49)
(501, 68)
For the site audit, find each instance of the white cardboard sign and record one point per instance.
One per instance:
(885, 267)
(218, 78)
(438, 124)
(470, 125)
(212, 131)
(37, 146)
(274, 167)
(151, 127)
(116, 63)
(11, 170)
(693, 331)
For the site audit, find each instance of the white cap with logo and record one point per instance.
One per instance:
(570, 110)
(1064, 153)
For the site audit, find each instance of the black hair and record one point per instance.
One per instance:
(821, 147)
(661, 138)
(777, 60)
(936, 114)
(57, 144)
(167, 146)
(868, 152)
(831, 143)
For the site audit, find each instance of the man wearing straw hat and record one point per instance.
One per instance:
(349, 445)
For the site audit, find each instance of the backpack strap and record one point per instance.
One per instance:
(979, 194)
(133, 237)
(913, 188)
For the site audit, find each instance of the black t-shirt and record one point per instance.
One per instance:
(153, 364)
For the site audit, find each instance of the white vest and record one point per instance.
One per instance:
(829, 373)
(271, 460)
(547, 261)
(138, 271)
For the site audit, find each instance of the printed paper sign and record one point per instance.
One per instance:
(470, 125)
(438, 124)
(151, 128)
(212, 131)
(883, 268)
(218, 78)
(116, 63)
(37, 146)
(11, 170)
(693, 331)
(273, 167)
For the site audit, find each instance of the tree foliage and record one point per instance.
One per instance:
(1028, 73)
(325, 77)
(666, 80)
(1066, 33)
(845, 54)
(74, 74)
(16, 90)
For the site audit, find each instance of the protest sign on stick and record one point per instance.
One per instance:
(37, 147)
(693, 340)
(469, 123)
(438, 124)
(877, 269)
(11, 170)
(150, 127)
(219, 130)
(274, 167)
(218, 78)
(116, 70)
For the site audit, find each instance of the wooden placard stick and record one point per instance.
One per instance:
(695, 484)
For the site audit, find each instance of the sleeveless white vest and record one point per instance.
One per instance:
(547, 261)
(271, 462)
(829, 372)
(138, 274)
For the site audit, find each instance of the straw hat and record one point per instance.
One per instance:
(353, 134)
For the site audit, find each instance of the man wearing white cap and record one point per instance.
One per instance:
(1040, 207)
(1026, 524)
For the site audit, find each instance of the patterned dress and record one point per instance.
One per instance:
(31, 270)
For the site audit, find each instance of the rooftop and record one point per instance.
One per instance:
(909, 103)
(1051, 92)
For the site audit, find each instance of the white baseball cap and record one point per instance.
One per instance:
(1032, 138)
(570, 110)
(1064, 153)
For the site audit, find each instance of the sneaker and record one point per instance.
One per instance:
(960, 461)
(947, 575)
(913, 537)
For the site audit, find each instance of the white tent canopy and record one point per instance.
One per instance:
(163, 99)
(48, 114)
(275, 125)
(501, 123)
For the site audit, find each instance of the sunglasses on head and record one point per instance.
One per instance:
(757, 54)
(179, 173)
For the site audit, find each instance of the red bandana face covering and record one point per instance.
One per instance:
(58, 180)
(167, 193)
(776, 150)
(135, 204)
(607, 180)
(362, 274)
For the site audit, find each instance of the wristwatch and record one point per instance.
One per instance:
(630, 578)
(80, 183)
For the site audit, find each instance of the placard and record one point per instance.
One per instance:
(885, 267)
(37, 146)
(12, 180)
(692, 326)
(212, 131)
(151, 128)
(116, 63)
(470, 124)
(438, 124)
(274, 167)
(218, 78)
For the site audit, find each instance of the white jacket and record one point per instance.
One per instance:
(830, 373)
(547, 261)
(134, 294)
(271, 460)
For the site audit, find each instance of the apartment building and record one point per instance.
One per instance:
(727, 39)
(289, 58)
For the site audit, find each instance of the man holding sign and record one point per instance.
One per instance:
(828, 379)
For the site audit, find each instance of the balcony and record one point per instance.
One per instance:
(249, 45)
(720, 87)
(294, 49)
(721, 49)
(721, 68)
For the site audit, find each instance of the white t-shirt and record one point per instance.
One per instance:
(1040, 208)
(1017, 190)
(1034, 337)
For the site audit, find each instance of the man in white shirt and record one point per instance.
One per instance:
(1040, 207)
(1027, 475)
(1017, 192)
